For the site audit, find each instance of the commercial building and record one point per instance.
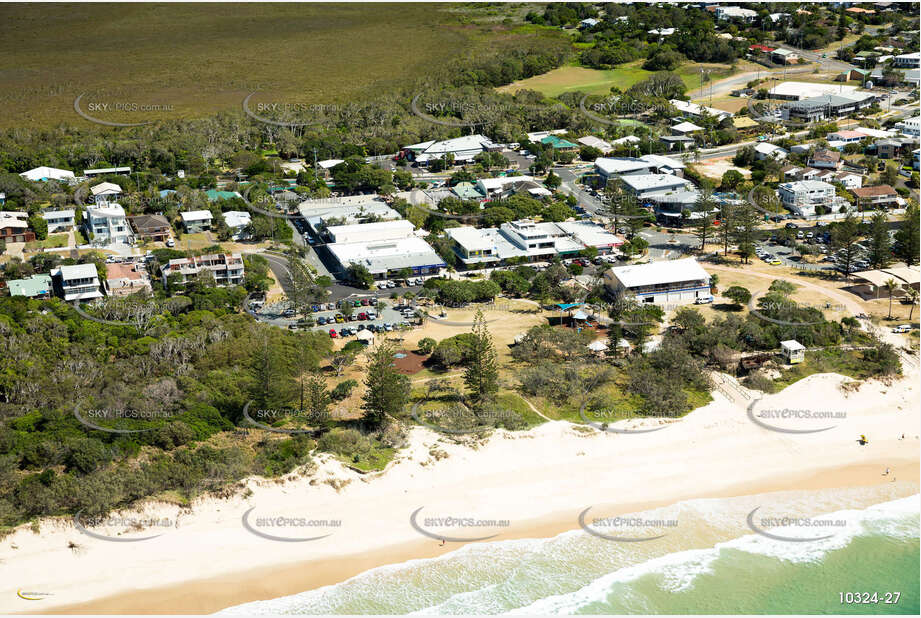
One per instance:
(668, 282)
(644, 185)
(79, 282)
(387, 258)
(36, 286)
(735, 13)
(59, 220)
(108, 225)
(609, 168)
(227, 268)
(370, 232)
(14, 227)
(463, 149)
(796, 91)
(151, 227)
(347, 210)
(826, 106)
(804, 196)
(196, 220)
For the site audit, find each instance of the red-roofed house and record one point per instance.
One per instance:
(875, 197)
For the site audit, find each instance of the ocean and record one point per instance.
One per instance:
(709, 560)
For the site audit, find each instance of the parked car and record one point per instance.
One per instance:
(372, 315)
(289, 313)
(339, 318)
(332, 333)
(703, 300)
(902, 328)
(321, 320)
(364, 302)
(790, 226)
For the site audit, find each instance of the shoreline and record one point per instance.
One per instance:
(210, 595)
(539, 481)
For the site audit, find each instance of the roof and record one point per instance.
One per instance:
(792, 345)
(658, 161)
(874, 191)
(558, 142)
(590, 234)
(596, 142)
(825, 155)
(78, 271)
(109, 211)
(44, 172)
(237, 218)
(665, 271)
(764, 48)
(67, 212)
(144, 223)
(768, 148)
(686, 127)
(621, 165)
(743, 122)
(13, 219)
(365, 232)
(105, 187)
(106, 170)
(123, 271)
(806, 185)
(214, 195)
(330, 163)
(31, 286)
(646, 182)
(784, 52)
(382, 256)
(468, 144)
(805, 90)
(196, 215)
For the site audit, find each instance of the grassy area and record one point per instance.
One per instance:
(846, 362)
(596, 81)
(373, 461)
(52, 242)
(163, 54)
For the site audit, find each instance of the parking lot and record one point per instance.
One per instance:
(346, 318)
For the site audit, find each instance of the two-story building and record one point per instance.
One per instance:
(227, 268)
(878, 197)
(59, 220)
(78, 282)
(151, 227)
(667, 282)
(804, 196)
(105, 193)
(14, 227)
(107, 225)
(196, 220)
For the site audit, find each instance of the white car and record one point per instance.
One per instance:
(902, 328)
(703, 300)
(170, 242)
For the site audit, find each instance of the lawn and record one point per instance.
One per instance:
(596, 81)
(192, 59)
(52, 242)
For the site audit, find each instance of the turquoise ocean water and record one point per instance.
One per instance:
(710, 563)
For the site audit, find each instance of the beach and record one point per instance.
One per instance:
(529, 485)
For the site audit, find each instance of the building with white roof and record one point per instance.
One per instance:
(196, 220)
(101, 171)
(643, 185)
(804, 196)
(370, 232)
(464, 149)
(78, 282)
(907, 61)
(609, 168)
(734, 12)
(44, 173)
(793, 351)
(596, 142)
(696, 111)
(909, 126)
(685, 128)
(794, 91)
(237, 221)
(59, 220)
(105, 192)
(768, 150)
(505, 186)
(387, 258)
(107, 225)
(320, 214)
(826, 106)
(663, 165)
(668, 282)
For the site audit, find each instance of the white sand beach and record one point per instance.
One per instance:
(538, 480)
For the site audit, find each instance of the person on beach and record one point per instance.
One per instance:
(442, 543)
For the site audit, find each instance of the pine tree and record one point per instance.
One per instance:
(908, 244)
(880, 245)
(482, 373)
(387, 391)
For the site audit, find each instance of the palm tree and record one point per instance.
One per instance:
(913, 295)
(891, 287)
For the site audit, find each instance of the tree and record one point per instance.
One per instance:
(703, 225)
(891, 286)
(880, 248)
(844, 237)
(387, 391)
(315, 399)
(913, 296)
(39, 226)
(552, 181)
(482, 374)
(426, 345)
(744, 229)
(907, 241)
(360, 275)
(731, 179)
(342, 359)
(738, 294)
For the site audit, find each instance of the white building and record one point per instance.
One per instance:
(78, 282)
(735, 12)
(370, 232)
(766, 149)
(609, 168)
(802, 197)
(196, 220)
(464, 149)
(44, 173)
(388, 258)
(794, 91)
(320, 214)
(105, 193)
(596, 142)
(505, 186)
(59, 220)
(227, 268)
(694, 110)
(685, 128)
(107, 225)
(907, 61)
(910, 126)
(237, 221)
(669, 282)
(643, 185)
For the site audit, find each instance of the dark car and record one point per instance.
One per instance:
(790, 226)
(321, 320)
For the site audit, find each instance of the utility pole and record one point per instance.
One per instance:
(315, 177)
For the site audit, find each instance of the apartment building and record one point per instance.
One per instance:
(227, 268)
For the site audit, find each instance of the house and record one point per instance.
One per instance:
(667, 282)
(79, 282)
(14, 227)
(505, 186)
(664, 165)
(327, 165)
(196, 220)
(558, 143)
(36, 286)
(227, 269)
(588, 24)
(595, 142)
(466, 191)
(778, 17)
(126, 279)
(238, 221)
(685, 128)
(791, 172)
(893, 148)
(59, 220)
(680, 142)
(387, 258)
(463, 149)
(643, 185)
(44, 173)
(867, 58)
(878, 197)
(764, 49)
(107, 225)
(804, 197)
(735, 13)
(848, 137)
(848, 180)
(767, 150)
(693, 110)
(825, 159)
(793, 351)
(102, 171)
(784, 56)
(151, 227)
(907, 61)
(910, 126)
(105, 193)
